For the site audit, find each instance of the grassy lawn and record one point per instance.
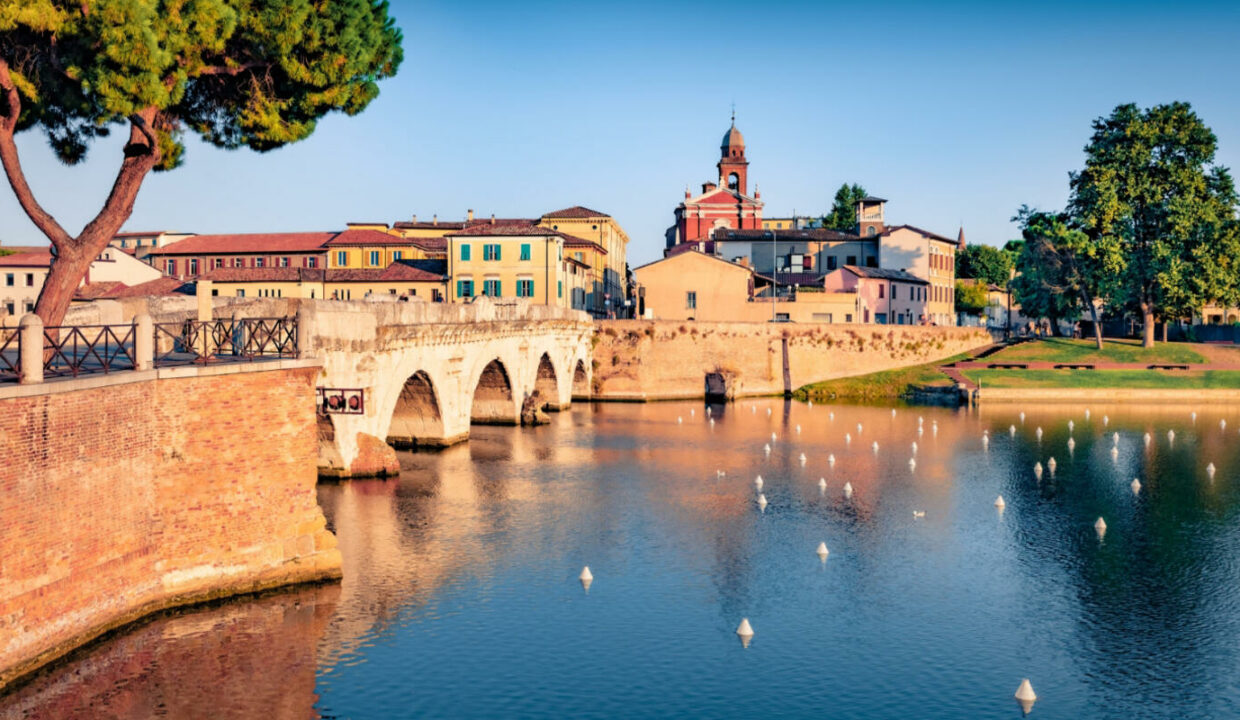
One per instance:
(1064, 350)
(1104, 379)
(879, 385)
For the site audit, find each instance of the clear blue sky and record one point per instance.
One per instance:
(954, 112)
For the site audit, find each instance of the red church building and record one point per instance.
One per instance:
(723, 204)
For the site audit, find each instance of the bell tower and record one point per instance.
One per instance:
(733, 166)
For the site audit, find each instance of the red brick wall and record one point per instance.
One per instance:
(118, 501)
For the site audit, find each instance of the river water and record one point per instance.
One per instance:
(461, 596)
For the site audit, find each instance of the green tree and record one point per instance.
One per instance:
(843, 216)
(1150, 187)
(985, 263)
(253, 73)
(971, 298)
(1062, 271)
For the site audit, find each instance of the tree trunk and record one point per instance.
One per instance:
(1147, 330)
(1093, 313)
(1164, 332)
(62, 282)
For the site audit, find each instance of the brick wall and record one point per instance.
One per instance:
(663, 359)
(120, 500)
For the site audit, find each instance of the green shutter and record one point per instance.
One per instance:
(560, 288)
(525, 251)
(459, 286)
(465, 252)
(497, 252)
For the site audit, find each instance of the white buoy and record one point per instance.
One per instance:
(1086, 413)
(875, 446)
(1222, 424)
(847, 438)
(679, 420)
(1170, 436)
(811, 403)
(919, 513)
(707, 410)
(822, 483)
(753, 409)
(773, 437)
(1012, 430)
(1101, 527)
(1210, 470)
(798, 429)
(586, 577)
(847, 489)
(1071, 444)
(912, 463)
(893, 412)
(858, 428)
(1071, 425)
(1115, 439)
(934, 428)
(1038, 432)
(1050, 465)
(802, 459)
(767, 448)
(985, 441)
(999, 503)
(1022, 417)
(1106, 420)
(1025, 695)
(692, 412)
(1194, 416)
(920, 431)
(914, 447)
(712, 422)
(1037, 470)
(1114, 453)
(762, 502)
(757, 482)
(831, 459)
(1147, 439)
(768, 412)
(745, 631)
(719, 473)
(822, 550)
(1136, 486)
(831, 415)
(920, 419)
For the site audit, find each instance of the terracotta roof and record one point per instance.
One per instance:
(933, 236)
(99, 290)
(575, 261)
(359, 237)
(118, 290)
(396, 272)
(872, 199)
(140, 234)
(39, 258)
(422, 225)
(249, 243)
(506, 227)
(885, 274)
(798, 278)
(264, 274)
(576, 211)
(816, 234)
(574, 241)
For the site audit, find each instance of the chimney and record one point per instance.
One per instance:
(415, 218)
(469, 215)
(708, 186)
(492, 218)
(435, 219)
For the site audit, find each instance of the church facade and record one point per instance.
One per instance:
(723, 204)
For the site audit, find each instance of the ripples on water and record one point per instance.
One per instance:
(461, 598)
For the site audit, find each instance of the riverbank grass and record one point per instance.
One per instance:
(1137, 379)
(880, 385)
(1118, 350)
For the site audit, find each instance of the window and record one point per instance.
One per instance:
(171, 267)
(525, 251)
(847, 317)
(465, 288)
(831, 262)
(10, 280)
(219, 263)
(871, 261)
(215, 292)
(9, 307)
(310, 262)
(691, 300)
(559, 288)
(193, 266)
(465, 253)
(241, 293)
(29, 306)
(577, 257)
(894, 291)
(398, 255)
(259, 262)
(525, 288)
(870, 231)
(391, 291)
(491, 288)
(880, 318)
(490, 251)
(342, 258)
(880, 292)
(850, 260)
(374, 258)
(284, 262)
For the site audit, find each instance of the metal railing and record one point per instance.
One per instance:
(10, 354)
(225, 340)
(87, 349)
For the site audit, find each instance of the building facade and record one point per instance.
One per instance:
(22, 276)
(599, 241)
(200, 254)
(884, 297)
(725, 204)
(514, 259)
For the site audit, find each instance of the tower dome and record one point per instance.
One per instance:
(733, 141)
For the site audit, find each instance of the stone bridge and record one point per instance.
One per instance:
(428, 371)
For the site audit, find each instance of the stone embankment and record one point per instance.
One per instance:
(641, 360)
(129, 493)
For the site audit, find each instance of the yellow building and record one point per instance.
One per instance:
(369, 247)
(607, 257)
(400, 280)
(514, 259)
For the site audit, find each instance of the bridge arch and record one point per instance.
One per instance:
(581, 381)
(547, 384)
(494, 398)
(417, 418)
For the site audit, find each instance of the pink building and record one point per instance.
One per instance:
(884, 296)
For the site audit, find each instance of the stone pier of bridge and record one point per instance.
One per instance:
(426, 372)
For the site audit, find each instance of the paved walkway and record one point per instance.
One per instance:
(1048, 365)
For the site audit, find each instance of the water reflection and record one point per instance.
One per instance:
(463, 592)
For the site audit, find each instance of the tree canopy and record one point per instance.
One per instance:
(1151, 190)
(985, 263)
(843, 215)
(239, 73)
(971, 297)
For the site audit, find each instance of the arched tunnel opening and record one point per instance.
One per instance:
(493, 403)
(581, 383)
(546, 385)
(416, 419)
